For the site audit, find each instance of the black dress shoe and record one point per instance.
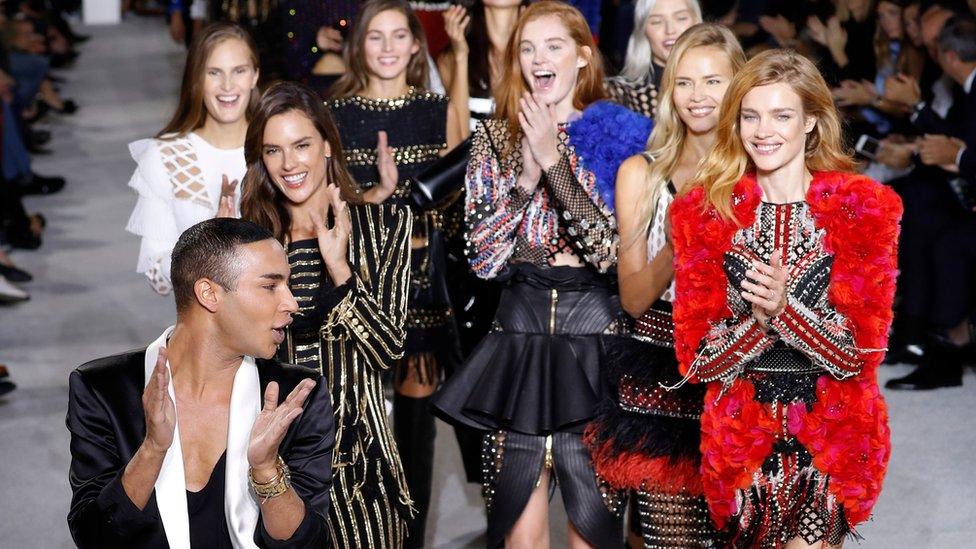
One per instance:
(40, 184)
(69, 107)
(14, 274)
(906, 354)
(924, 379)
(38, 137)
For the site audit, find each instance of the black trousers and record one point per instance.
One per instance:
(932, 211)
(955, 273)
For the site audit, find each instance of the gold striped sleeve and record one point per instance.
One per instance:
(374, 312)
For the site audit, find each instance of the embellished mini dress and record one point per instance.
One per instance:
(416, 126)
(352, 334)
(795, 440)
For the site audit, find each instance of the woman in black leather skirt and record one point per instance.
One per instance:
(539, 222)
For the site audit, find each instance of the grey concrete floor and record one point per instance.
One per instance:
(88, 302)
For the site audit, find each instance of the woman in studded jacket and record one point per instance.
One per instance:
(785, 265)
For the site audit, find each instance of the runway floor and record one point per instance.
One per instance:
(87, 302)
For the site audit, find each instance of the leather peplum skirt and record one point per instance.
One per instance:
(538, 371)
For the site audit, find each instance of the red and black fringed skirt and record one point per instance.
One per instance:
(646, 434)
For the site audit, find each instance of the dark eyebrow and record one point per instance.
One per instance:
(394, 30)
(273, 276)
(300, 140)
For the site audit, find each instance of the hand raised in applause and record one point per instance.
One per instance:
(902, 89)
(328, 39)
(765, 288)
(531, 171)
(271, 425)
(228, 198)
(334, 241)
(456, 20)
(159, 408)
(539, 125)
(387, 168)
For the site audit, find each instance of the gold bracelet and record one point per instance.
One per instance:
(279, 484)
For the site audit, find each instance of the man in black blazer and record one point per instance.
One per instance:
(174, 446)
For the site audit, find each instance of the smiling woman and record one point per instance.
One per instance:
(658, 25)
(785, 265)
(190, 171)
(537, 212)
(349, 269)
(383, 111)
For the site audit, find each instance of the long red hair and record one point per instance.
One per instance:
(589, 85)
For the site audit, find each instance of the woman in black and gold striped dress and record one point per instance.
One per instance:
(350, 265)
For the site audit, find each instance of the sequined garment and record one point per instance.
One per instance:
(300, 22)
(809, 324)
(646, 434)
(794, 438)
(416, 126)
(788, 497)
(352, 334)
(565, 213)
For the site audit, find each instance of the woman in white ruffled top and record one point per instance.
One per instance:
(189, 172)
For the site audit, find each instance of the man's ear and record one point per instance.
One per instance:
(209, 294)
(584, 57)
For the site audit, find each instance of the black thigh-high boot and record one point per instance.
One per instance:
(414, 429)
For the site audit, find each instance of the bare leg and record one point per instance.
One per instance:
(798, 543)
(576, 540)
(531, 530)
(413, 383)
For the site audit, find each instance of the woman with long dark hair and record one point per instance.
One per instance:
(539, 189)
(190, 171)
(785, 266)
(645, 437)
(349, 269)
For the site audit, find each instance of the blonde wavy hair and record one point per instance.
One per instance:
(728, 160)
(667, 140)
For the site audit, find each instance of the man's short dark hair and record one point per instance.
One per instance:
(959, 35)
(209, 250)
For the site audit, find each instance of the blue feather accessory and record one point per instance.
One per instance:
(603, 137)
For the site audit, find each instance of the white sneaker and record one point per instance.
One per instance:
(10, 293)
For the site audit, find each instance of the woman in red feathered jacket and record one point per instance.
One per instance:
(785, 265)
